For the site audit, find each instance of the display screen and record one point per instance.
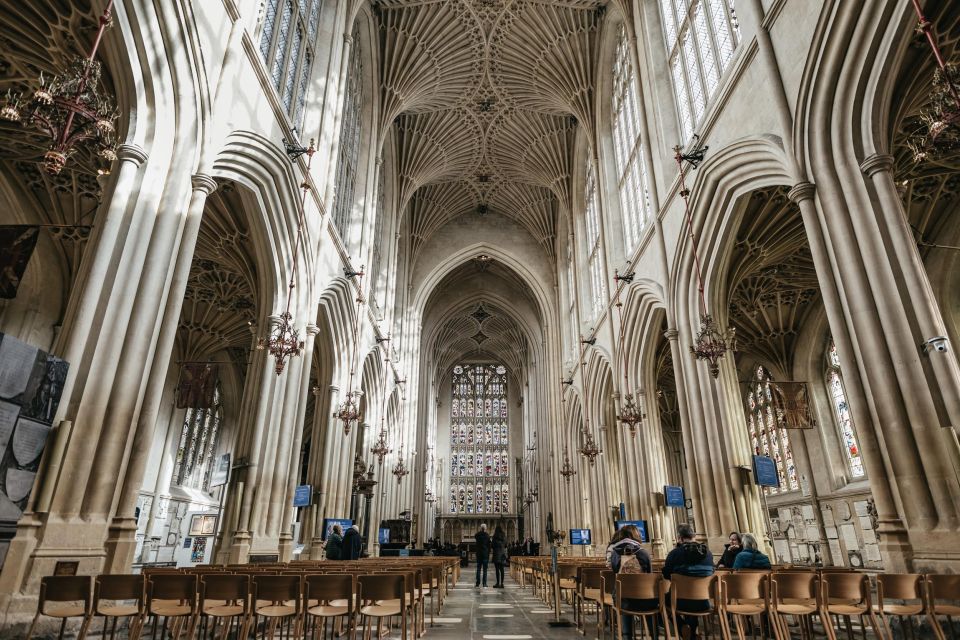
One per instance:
(579, 536)
(383, 536)
(329, 522)
(641, 526)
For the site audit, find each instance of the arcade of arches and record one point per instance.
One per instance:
(488, 246)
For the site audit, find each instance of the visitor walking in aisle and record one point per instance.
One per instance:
(499, 555)
(352, 544)
(482, 544)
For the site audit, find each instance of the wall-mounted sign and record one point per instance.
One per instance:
(221, 471)
(303, 495)
(765, 471)
(580, 536)
(673, 496)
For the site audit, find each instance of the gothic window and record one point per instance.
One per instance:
(198, 443)
(598, 284)
(701, 37)
(478, 439)
(349, 153)
(377, 249)
(838, 397)
(768, 437)
(287, 47)
(627, 146)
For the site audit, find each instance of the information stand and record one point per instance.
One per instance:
(557, 620)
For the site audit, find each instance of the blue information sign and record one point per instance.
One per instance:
(765, 471)
(673, 496)
(383, 536)
(641, 526)
(579, 536)
(303, 495)
(329, 522)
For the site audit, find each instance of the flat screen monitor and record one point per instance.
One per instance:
(641, 526)
(329, 522)
(383, 536)
(580, 536)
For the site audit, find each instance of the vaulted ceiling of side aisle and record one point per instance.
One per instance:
(485, 97)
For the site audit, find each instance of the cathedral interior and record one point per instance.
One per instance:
(410, 267)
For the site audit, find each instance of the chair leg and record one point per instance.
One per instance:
(86, 625)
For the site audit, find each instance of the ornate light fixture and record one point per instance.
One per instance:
(567, 470)
(712, 341)
(70, 108)
(939, 129)
(380, 448)
(630, 414)
(349, 411)
(429, 498)
(400, 470)
(528, 501)
(284, 339)
(590, 449)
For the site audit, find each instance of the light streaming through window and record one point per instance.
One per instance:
(198, 443)
(287, 47)
(598, 284)
(349, 151)
(838, 396)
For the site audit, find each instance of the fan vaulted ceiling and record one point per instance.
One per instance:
(484, 97)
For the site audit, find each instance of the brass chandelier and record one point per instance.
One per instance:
(712, 341)
(939, 129)
(70, 108)
(349, 411)
(567, 470)
(589, 449)
(400, 469)
(380, 448)
(630, 414)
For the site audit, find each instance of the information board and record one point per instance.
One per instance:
(765, 471)
(580, 536)
(383, 536)
(641, 526)
(329, 522)
(673, 496)
(303, 495)
(221, 471)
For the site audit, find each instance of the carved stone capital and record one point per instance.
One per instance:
(273, 320)
(875, 163)
(131, 153)
(671, 334)
(312, 329)
(203, 182)
(801, 191)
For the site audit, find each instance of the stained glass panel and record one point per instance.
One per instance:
(198, 443)
(767, 437)
(848, 435)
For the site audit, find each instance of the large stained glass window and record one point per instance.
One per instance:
(198, 444)
(349, 153)
(838, 396)
(768, 437)
(479, 440)
(287, 47)
(598, 283)
(701, 36)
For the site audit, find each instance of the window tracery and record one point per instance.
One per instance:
(768, 437)
(701, 37)
(479, 440)
(632, 182)
(838, 399)
(198, 444)
(598, 284)
(287, 42)
(349, 152)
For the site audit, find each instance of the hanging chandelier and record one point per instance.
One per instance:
(70, 108)
(630, 414)
(712, 342)
(429, 498)
(939, 129)
(590, 449)
(284, 340)
(380, 448)
(567, 470)
(349, 411)
(400, 470)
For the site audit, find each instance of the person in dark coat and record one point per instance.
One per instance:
(731, 551)
(482, 540)
(693, 559)
(352, 544)
(751, 557)
(499, 555)
(334, 544)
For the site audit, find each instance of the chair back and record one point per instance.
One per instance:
(846, 587)
(793, 586)
(744, 586)
(119, 587)
(276, 588)
(899, 586)
(170, 586)
(943, 587)
(384, 586)
(64, 589)
(225, 586)
(330, 586)
(567, 571)
(639, 586)
(692, 588)
(591, 578)
(609, 579)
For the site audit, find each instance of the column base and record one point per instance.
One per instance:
(895, 547)
(239, 551)
(121, 545)
(285, 548)
(316, 550)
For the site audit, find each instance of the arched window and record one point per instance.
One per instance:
(701, 37)
(768, 437)
(598, 284)
(287, 47)
(349, 153)
(198, 443)
(627, 146)
(377, 248)
(479, 440)
(572, 293)
(838, 397)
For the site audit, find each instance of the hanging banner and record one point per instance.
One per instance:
(197, 385)
(17, 243)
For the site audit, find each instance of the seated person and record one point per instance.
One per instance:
(625, 555)
(692, 559)
(731, 551)
(751, 557)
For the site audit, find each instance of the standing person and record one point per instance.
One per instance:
(751, 557)
(625, 555)
(482, 540)
(334, 544)
(730, 552)
(352, 544)
(692, 559)
(499, 555)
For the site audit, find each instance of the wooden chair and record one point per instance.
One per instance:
(640, 586)
(171, 595)
(225, 600)
(383, 596)
(939, 588)
(609, 580)
(844, 595)
(120, 596)
(567, 578)
(67, 592)
(793, 594)
(278, 600)
(908, 590)
(330, 597)
(590, 591)
(692, 588)
(743, 595)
